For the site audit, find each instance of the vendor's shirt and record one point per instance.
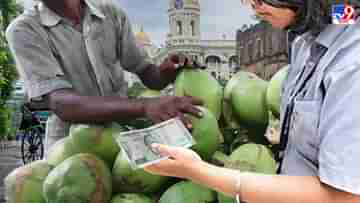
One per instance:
(324, 136)
(51, 53)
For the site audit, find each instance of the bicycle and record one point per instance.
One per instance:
(32, 135)
(32, 146)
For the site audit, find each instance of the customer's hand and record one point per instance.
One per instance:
(165, 108)
(182, 162)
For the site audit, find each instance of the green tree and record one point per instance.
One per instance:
(8, 10)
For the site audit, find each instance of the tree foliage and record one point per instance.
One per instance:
(8, 10)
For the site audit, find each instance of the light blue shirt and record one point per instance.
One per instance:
(324, 137)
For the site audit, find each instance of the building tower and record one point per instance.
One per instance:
(184, 23)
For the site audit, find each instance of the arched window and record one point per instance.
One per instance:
(233, 63)
(179, 29)
(192, 24)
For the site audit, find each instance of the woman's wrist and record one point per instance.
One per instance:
(221, 179)
(196, 170)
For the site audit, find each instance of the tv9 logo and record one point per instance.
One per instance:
(343, 14)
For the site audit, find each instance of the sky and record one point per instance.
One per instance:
(218, 17)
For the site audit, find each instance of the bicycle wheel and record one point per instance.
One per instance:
(32, 147)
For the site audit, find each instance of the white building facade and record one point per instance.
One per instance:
(219, 56)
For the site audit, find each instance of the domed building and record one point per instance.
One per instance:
(143, 40)
(219, 55)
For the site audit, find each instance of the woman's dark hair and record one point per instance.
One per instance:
(313, 15)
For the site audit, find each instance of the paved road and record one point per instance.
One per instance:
(9, 160)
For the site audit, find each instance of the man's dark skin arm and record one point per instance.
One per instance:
(71, 107)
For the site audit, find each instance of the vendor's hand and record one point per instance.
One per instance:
(169, 68)
(164, 108)
(182, 162)
(183, 61)
(171, 65)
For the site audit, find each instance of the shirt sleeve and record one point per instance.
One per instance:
(34, 61)
(339, 152)
(132, 57)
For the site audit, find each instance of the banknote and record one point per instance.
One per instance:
(136, 144)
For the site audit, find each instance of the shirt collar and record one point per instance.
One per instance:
(94, 8)
(50, 18)
(47, 16)
(330, 34)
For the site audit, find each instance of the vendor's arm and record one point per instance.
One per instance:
(46, 82)
(71, 107)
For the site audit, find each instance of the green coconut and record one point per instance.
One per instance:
(248, 99)
(247, 158)
(200, 84)
(131, 198)
(24, 184)
(273, 94)
(188, 192)
(150, 93)
(206, 133)
(97, 140)
(127, 180)
(245, 105)
(60, 151)
(228, 112)
(82, 178)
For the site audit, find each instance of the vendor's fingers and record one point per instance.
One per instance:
(180, 59)
(165, 117)
(186, 121)
(193, 110)
(188, 61)
(173, 113)
(194, 100)
(156, 120)
(175, 59)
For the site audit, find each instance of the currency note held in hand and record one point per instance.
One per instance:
(136, 144)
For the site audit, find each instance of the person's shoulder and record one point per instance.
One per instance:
(25, 22)
(346, 48)
(113, 7)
